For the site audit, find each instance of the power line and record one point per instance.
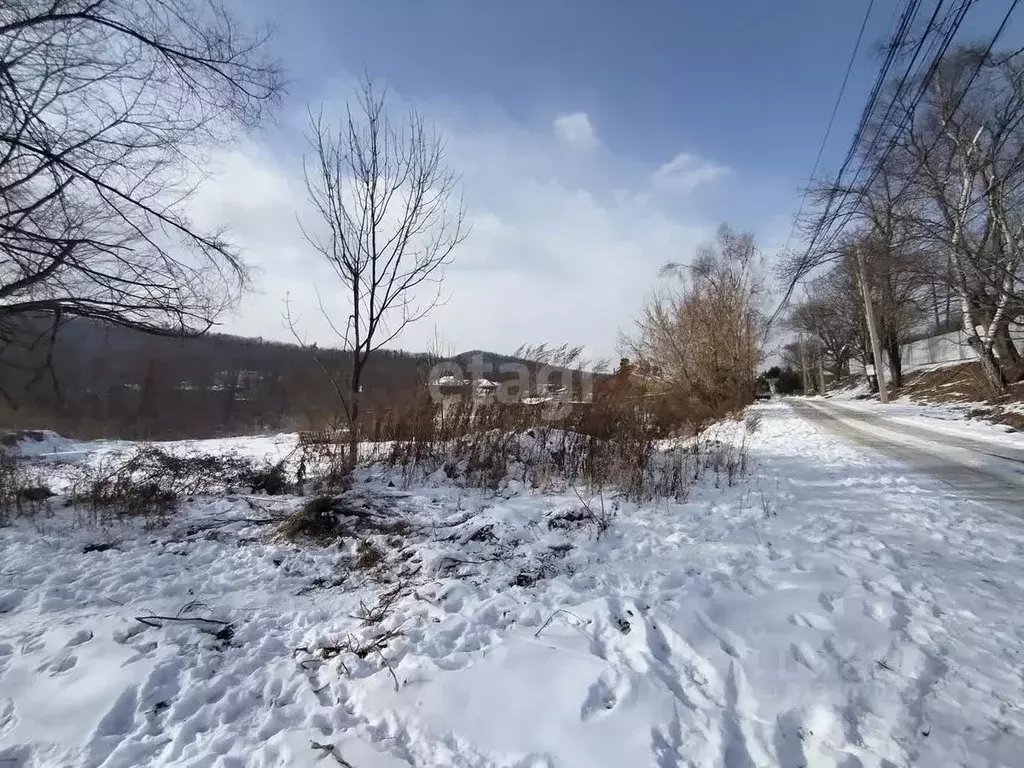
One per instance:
(949, 28)
(985, 57)
(906, 75)
(832, 118)
(947, 38)
(896, 42)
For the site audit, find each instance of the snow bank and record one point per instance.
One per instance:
(38, 442)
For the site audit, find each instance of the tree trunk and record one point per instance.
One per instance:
(1004, 346)
(989, 365)
(892, 348)
(837, 371)
(353, 416)
(803, 367)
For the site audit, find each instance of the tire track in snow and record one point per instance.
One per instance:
(994, 477)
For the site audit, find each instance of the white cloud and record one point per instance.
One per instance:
(686, 172)
(577, 131)
(553, 257)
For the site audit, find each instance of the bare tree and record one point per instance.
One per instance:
(940, 219)
(107, 108)
(702, 332)
(967, 145)
(832, 314)
(389, 217)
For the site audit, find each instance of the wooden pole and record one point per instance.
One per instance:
(869, 313)
(821, 358)
(803, 366)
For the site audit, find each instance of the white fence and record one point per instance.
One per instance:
(947, 348)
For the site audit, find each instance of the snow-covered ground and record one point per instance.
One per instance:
(831, 610)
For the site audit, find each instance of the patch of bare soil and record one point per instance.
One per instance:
(965, 383)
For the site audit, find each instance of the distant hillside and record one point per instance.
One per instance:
(110, 381)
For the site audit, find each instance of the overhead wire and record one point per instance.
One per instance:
(832, 118)
(957, 17)
(896, 42)
(922, 91)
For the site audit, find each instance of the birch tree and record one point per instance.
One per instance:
(968, 148)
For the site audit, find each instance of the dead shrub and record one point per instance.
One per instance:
(316, 519)
(22, 491)
(547, 565)
(269, 478)
(323, 469)
(150, 482)
(699, 334)
(752, 422)
(368, 555)
(350, 515)
(121, 496)
(615, 441)
(570, 519)
(583, 517)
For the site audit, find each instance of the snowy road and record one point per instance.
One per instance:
(980, 469)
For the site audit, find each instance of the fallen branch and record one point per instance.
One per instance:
(224, 632)
(330, 751)
(552, 618)
(379, 611)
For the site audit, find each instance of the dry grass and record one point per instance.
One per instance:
(315, 520)
(151, 483)
(613, 442)
(23, 493)
(965, 383)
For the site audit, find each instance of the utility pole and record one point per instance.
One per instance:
(803, 365)
(821, 370)
(821, 358)
(869, 313)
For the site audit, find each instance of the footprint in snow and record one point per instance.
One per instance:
(11, 600)
(8, 717)
(805, 655)
(602, 695)
(32, 643)
(64, 664)
(81, 636)
(811, 620)
(58, 665)
(122, 636)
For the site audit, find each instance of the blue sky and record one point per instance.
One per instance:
(597, 139)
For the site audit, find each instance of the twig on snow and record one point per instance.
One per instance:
(391, 669)
(552, 618)
(189, 607)
(329, 751)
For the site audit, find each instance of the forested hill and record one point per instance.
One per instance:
(110, 381)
